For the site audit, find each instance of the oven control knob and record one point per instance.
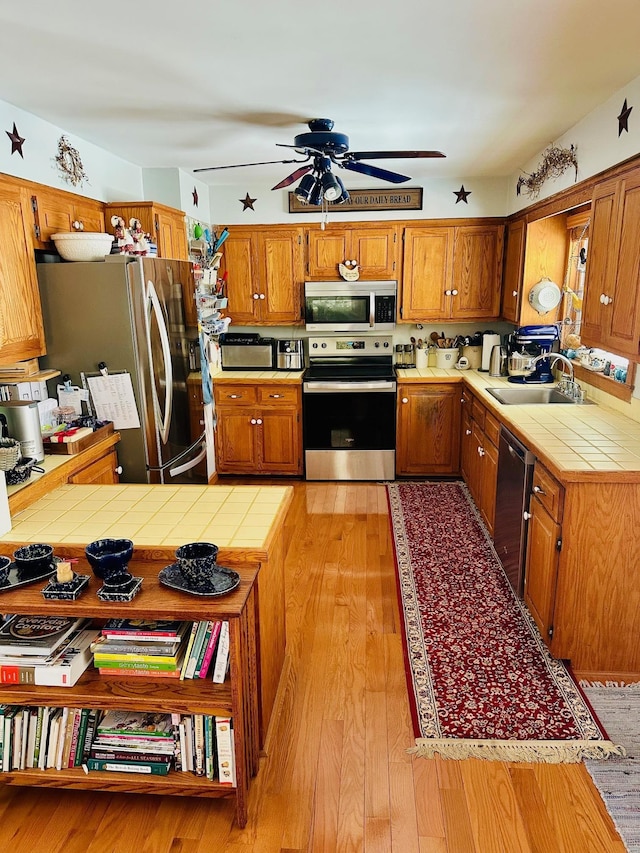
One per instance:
(314, 346)
(323, 345)
(377, 344)
(385, 344)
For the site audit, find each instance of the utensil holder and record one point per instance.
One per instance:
(422, 358)
(446, 358)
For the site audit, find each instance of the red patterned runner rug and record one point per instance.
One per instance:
(480, 678)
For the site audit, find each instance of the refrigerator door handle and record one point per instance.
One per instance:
(186, 466)
(164, 420)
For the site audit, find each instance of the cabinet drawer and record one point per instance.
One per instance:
(478, 412)
(226, 394)
(548, 491)
(276, 394)
(492, 428)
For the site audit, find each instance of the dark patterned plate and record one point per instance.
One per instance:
(15, 577)
(222, 581)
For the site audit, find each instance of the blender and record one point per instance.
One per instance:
(529, 342)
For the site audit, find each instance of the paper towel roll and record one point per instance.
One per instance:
(489, 341)
(5, 517)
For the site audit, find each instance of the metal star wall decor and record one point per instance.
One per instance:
(195, 197)
(462, 194)
(247, 202)
(623, 118)
(17, 141)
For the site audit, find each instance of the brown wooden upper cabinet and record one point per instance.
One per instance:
(611, 309)
(534, 251)
(56, 210)
(452, 272)
(265, 269)
(166, 225)
(21, 329)
(373, 247)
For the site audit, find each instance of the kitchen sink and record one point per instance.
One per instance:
(531, 394)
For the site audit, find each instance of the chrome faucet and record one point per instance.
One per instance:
(553, 358)
(567, 386)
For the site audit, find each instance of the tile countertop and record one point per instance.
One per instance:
(578, 443)
(289, 377)
(234, 517)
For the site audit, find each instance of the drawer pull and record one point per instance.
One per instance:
(234, 396)
(276, 396)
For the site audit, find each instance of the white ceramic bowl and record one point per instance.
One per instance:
(83, 245)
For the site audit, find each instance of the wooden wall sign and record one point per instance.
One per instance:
(409, 198)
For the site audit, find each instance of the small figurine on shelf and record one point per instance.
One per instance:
(123, 236)
(141, 246)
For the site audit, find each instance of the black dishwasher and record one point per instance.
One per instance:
(515, 473)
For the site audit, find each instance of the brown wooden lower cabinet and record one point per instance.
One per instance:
(105, 471)
(479, 455)
(428, 429)
(259, 429)
(543, 552)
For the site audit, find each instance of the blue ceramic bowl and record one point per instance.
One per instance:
(33, 559)
(109, 557)
(5, 562)
(197, 561)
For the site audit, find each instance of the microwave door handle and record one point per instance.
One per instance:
(372, 309)
(164, 420)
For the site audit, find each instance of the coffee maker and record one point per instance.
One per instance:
(523, 346)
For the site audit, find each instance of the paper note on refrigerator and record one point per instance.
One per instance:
(113, 400)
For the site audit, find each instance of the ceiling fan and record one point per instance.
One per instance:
(321, 147)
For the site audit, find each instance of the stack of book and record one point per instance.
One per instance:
(207, 651)
(141, 647)
(45, 737)
(207, 747)
(134, 742)
(48, 650)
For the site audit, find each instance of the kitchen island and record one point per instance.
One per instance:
(248, 523)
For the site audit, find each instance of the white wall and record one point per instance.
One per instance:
(110, 178)
(598, 146)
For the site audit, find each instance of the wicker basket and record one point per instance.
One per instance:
(9, 453)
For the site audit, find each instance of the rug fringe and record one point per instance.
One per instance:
(545, 751)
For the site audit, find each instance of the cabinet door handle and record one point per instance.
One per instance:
(539, 491)
(256, 296)
(454, 292)
(447, 293)
(262, 296)
(481, 451)
(526, 515)
(467, 432)
(118, 469)
(253, 421)
(514, 292)
(405, 399)
(259, 421)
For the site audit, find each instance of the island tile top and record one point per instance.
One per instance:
(153, 515)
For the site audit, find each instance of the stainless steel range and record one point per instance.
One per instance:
(349, 409)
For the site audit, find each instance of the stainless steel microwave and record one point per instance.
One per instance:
(350, 306)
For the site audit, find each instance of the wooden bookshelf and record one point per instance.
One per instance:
(237, 697)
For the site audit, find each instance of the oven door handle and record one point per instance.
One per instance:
(372, 309)
(317, 387)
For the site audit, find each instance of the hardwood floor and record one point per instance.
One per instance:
(337, 777)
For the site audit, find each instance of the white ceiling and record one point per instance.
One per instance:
(181, 84)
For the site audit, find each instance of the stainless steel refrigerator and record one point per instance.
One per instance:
(128, 314)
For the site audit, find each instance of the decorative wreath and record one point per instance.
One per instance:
(69, 163)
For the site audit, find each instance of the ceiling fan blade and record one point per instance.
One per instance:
(391, 155)
(374, 172)
(293, 177)
(239, 165)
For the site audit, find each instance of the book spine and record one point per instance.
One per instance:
(17, 674)
(187, 654)
(88, 738)
(122, 663)
(222, 657)
(61, 738)
(147, 767)
(211, 647)
(195, 651)
(183, 747)
(44, 743)
(152, 650)
(198, 739)
(124, 755)
(75, 734)
(226, 758)
(82, 733)
(149, 635)
(38, 739)
(203, 648)
(130, 659)
(145, 673)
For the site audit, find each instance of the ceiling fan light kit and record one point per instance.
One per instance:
(324, 146)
